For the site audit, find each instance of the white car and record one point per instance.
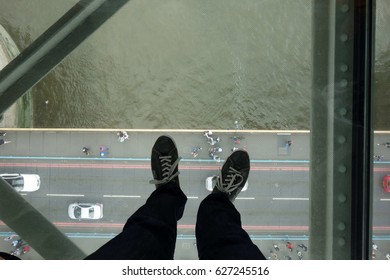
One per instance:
(23, 182)
(212, 180)
(85, 211)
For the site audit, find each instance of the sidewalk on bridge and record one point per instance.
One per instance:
(186, 248)
(261, 145)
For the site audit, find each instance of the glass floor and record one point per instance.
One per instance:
(246, 70)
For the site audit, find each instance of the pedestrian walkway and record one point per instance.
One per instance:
(48, 143)
(261, 145)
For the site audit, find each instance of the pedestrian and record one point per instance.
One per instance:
(16, 252)
(208, 133)
(103, 151)
(303, 247)
(276, 247)
(122, 136)
(378, 157)
(2, 142)
(17, 243)
(212, 141)
(26, 249)
(300, 255)
(214, 156)
(85, 150)
(150, 233)
(290, 246)
(103, 148)
(195, 151)
(237, 139)
(216, 150)
(386, 144)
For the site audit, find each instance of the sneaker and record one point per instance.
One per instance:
(234, 174)
(165, 162)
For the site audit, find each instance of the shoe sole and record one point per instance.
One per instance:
(244, 167)
(172, 148)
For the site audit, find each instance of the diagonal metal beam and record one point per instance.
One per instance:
(53, 46)
(34, 228)
(15, 79)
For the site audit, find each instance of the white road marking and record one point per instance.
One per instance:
(385, 199)
(291, 198)
(246, 198)
(121, 196)
(192, 197)
(62, 194)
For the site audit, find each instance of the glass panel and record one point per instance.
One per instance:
(381, 190)
(235, 67)
(178, 65)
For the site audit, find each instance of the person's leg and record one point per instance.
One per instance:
(150, 233)
(219, 233)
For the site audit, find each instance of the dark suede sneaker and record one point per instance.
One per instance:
(234, 174)
(165, 162)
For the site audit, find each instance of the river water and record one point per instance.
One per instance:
(186, 64)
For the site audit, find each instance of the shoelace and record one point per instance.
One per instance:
(167, 169)
(230, 183)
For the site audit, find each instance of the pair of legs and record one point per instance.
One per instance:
(150, 233)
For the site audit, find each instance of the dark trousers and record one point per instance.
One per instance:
(150, 233)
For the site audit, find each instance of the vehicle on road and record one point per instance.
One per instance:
(386, 183)
(212, 180)
(23, 182)
(85, 211)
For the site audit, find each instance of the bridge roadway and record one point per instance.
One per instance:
(275, 208)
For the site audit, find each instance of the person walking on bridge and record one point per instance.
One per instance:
(3, 141)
